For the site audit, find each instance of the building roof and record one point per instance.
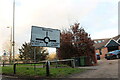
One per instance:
(99, 43)
(116, 37)
(111, 43)
(102, 44)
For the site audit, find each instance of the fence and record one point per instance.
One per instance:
(47, 65)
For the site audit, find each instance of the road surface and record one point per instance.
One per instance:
(104, 69)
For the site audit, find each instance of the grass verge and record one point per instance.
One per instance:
(41, 72)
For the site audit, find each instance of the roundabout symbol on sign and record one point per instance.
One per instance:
(46, 39)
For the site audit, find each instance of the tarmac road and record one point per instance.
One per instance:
(104, 69)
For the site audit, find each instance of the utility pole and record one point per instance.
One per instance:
(13, 43)
(10, 58)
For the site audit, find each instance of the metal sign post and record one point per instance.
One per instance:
(47, 68)
(34, 54)
(34, 58)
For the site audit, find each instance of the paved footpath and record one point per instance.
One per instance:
(104, 69)
(5, 77)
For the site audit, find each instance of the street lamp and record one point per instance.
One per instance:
(13, 43)
(10, 44)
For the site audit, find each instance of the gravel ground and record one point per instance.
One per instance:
(104, 69)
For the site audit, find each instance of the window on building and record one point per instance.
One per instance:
(103, 40)
(95, 41)
(99, 41)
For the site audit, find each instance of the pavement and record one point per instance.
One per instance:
(104, 69)
(5, 77)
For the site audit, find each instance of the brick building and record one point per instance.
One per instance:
(104, 46)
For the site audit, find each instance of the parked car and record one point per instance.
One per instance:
(98, 56)
(113, 55)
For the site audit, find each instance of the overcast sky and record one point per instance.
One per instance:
(98, 17)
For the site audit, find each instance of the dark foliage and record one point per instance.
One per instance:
(27, 52)
(75, 42)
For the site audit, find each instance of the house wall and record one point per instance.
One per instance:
(119, 47)
(97, 51)
(104, 51)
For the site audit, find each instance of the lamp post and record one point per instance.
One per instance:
(10, 44)
(13, 43)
